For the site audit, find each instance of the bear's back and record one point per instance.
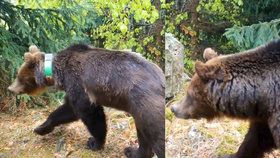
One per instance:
(256, 61)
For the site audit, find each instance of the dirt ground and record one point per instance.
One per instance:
(184, 138)
(18, 140)
(202, 139)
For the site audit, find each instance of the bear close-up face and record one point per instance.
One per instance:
(197, 103)
(194, 104)
(30, 78)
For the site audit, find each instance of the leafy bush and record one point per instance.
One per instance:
(247, 37)
(227, 26)
(50, 28)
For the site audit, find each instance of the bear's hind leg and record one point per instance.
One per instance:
(92, 116)
(63, 114)
(257, 141)
(274, 125)
(94, 119)
(144, 150)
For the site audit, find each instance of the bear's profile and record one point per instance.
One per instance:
(92, 77)
(245, 85)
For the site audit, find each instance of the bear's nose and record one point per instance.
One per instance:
(10, 89)
(172, 109)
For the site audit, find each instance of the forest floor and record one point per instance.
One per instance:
(18, 140)
(203, 139)
(184, 138)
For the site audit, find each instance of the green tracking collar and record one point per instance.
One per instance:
(48, 65)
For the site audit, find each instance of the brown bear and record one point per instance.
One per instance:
(243, 85)
(92, 77)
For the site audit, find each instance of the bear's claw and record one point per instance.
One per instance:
(130, 152)
(43, 130)
(93, 144)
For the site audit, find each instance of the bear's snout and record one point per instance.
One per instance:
(178, 112)
(10, 88)
(15, 87)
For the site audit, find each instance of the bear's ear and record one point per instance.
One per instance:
(28, 57)
(209, 53)
(33, 49)
(208, 72)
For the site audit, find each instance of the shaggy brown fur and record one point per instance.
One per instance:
(92, 77)
(243, 85)
(26, 76)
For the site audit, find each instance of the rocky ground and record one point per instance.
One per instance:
(202, 139)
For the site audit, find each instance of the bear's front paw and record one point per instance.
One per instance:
(43, 130)
(93, 144)
(131, 152)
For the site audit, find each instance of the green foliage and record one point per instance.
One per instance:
(256, 11)
(122, 25)
(168, 114)
(129, 25)
(219, 10)
(51, 28)
(247, 37)
(53, 25)
(200, 24)
(228, 26)
(189, 65)
(261, 20)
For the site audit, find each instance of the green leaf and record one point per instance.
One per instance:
(123, 28)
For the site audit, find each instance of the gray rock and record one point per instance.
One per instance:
(174, 66)
(60, 144)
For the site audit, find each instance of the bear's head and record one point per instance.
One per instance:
(196, 103)
(30, 78)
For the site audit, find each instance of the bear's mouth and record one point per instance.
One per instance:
(182, 116)
(13, 91)
(187, 116)
(16, 93)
